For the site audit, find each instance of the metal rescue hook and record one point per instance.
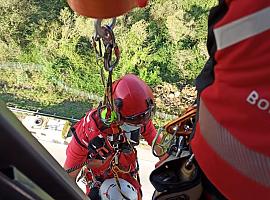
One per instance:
(100, 31)
(105, 33)
(110, 54)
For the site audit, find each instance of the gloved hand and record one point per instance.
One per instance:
(98, 148)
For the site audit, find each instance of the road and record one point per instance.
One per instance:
(146, 161)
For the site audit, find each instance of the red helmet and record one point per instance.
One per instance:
(133, 99)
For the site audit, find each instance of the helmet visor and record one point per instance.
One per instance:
(141, 118)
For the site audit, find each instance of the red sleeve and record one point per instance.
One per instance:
(86, 130)
(150, 133)
(76, 154)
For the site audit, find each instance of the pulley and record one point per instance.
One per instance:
(104, 9)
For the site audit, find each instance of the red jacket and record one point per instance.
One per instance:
(87, 129)
(232, 138)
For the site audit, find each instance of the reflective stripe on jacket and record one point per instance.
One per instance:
(232, 138)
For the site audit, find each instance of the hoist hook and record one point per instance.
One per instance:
(100, 31)
(105, 33)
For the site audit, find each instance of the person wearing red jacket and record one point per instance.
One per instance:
(110, 147)
(232, 142)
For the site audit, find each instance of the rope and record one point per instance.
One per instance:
(72, 169)
(116, 170)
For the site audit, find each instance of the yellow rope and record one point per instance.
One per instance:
(115, 170)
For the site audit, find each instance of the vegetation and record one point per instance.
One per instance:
(164, 44)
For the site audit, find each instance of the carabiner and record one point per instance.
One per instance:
(108, 64)
(99, 29)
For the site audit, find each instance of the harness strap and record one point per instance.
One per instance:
(77, 138)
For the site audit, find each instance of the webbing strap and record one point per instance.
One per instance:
(77, 138)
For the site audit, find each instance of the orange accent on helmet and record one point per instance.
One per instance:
(102, 9)
(133, 99)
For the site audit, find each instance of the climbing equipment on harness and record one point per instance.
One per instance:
(107, 116)
(104, 34)
(173, 180)
(177, 129)
(176, 175)
(111, 55)
(184, 123)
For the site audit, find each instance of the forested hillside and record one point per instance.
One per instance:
(48, 63)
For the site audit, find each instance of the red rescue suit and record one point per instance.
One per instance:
(86, 130)
(232, 138)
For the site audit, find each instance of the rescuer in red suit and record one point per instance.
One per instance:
(101, 143)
